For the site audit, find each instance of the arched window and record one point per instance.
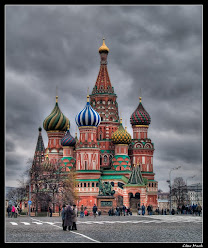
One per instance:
(81, 184)
(112, 183)
(84, 184)
(120, 185)
(101, 160)
(105, 158)
(96, 184)
(101, 118)
(93, 184)
(110, 159)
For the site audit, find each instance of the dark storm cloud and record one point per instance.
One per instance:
(155, 48)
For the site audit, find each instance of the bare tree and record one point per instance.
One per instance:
(179, 190)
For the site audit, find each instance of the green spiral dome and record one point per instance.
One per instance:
(56, 121)
(121, 136)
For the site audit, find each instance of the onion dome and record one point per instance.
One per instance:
(68, 140)
(140, 115)
(56, 121)
(121, 136)
(103, 48)
(88, 116)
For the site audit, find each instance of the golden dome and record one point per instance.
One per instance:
(121, 136)
(103, 48)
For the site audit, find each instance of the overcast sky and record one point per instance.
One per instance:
(155, 48)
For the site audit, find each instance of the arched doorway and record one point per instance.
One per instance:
(134, 201)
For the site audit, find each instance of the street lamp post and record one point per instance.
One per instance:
(171, 186)
(29, 197)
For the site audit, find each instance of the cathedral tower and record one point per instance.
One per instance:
(103, 100)
(55, 124)
(142, 149)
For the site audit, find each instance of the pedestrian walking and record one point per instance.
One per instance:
(74, 218)
(16, 211)
(99, 212)
(50, 211)
(162, 211)
(94, 210)
(82, 211)
(124, 210)
(148, 209)
(86, 212)
(199, 209)
(68, 218)
(63, 215)
(173, 211)
(143, 209)
(13, 211)
(9, 211)
(109, 212)
(120, 210)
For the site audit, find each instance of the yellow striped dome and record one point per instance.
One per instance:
(121, 136)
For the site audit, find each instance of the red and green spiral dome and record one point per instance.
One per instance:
(140, 116)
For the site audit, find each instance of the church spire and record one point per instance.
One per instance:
(136, 176)
(103, 83)
(40, 145)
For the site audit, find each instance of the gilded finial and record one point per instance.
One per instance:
(56, 94)
(88, 97)
(68, 126)
(140, 93)
(103, 47)
(121, 120)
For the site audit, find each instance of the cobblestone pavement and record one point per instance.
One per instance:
(155, 228)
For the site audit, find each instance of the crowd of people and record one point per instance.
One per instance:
(194, 209)
(13, 211)
(70, 212)
(69, 217)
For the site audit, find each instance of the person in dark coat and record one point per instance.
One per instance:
(143, 209)
(63, 214)
(50, 211)
(9, 211)
(94, 210)
(68, 217)
(82, 211)
(124, 210)
(74, 218)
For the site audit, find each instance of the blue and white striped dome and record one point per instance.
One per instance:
(88, 116)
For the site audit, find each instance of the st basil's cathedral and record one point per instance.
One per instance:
(104, 151)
